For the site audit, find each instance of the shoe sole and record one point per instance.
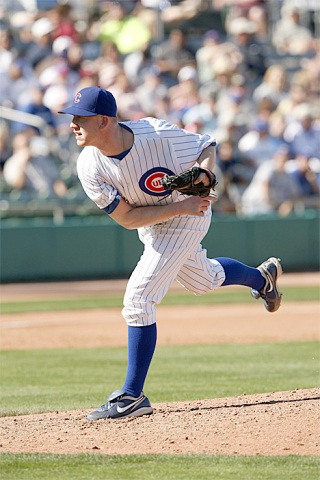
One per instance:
(140, 412)
(136, 413)
(278, 294)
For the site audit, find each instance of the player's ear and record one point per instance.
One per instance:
(102, 121)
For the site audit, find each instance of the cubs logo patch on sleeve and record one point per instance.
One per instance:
(150, 182)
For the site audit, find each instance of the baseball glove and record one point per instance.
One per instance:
(185, 182)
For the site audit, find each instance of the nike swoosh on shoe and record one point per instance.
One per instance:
(128, 407)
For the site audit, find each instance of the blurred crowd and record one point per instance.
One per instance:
(246, 72)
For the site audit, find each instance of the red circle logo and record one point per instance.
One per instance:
(150, 182)
(153, 182)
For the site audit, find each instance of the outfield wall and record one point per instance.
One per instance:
(96, 247)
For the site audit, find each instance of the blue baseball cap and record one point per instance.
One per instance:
(91, 101)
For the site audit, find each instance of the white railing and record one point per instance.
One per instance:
(24, 117)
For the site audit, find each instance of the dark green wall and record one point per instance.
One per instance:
(96, 247)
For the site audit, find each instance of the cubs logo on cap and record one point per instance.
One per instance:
(150, 182)
(91, 101)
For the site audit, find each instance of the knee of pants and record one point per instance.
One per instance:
(199, 290)
(139, 314)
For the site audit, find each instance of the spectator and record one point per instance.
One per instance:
(258, 145)
(37, 107)
(56, 98)
(272, 188)
(237, 174)
(304, 131)
(258, 15)
(7, 54)
(235, 104)
(289, 36)
(223, 70)
(277, 125)
(272, 86)
(16, 83)
(264, 109)
(184, 10)
(310, 66)
(184, 94)
(162, 109)
(129, 107)
(64, 23)
(207, 54)
(150, 90)
(41, 47)
(307, 177)
(137, 64)
(299, 92)
(32, 169)
(21, 25)
(252, 66)
(203, 112)
(125, 29)
(173, 54)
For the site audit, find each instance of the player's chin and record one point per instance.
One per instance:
(80, 140)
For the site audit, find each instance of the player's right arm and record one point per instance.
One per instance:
(107, 198)
(135, 217)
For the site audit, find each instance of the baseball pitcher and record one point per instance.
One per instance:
(157, 178)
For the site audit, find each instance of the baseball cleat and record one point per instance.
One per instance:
(120, 405)
(270, 270)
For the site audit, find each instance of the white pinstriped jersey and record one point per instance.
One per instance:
(159, 148)
(172, 249)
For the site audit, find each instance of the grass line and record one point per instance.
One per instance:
(157, 467)
(221, 296)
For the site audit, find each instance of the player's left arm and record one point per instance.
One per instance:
(207, 160)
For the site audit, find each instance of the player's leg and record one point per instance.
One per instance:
(141, 346)
(166, 250)
(158, 267)
(262, 280)
(148, 284)
(130, 399)
(200, 275)
(237, 273)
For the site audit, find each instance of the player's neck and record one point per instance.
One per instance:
(120, 141)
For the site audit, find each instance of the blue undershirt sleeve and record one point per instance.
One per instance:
(110, 208)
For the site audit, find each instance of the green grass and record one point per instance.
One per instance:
(223, 295)
(157, 467)
(63, 379)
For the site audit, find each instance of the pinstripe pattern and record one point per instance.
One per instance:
(200, 274)
(156, 144)
(172, 248)
(171, 251)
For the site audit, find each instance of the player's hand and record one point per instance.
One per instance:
(197, 206)
(203, 178)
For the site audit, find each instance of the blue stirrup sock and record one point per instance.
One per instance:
(238, 273)
(141, 345)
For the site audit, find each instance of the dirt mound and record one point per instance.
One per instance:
(279, 423)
